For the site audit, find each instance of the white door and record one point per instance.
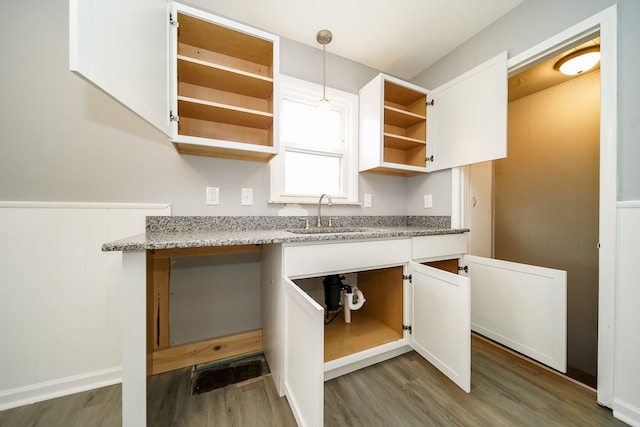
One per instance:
(122, 47)
(440, 321)
(468, 121)
(304, 355)
(523, 307)
(480, 204)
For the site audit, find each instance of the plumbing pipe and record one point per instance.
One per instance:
(349, 305)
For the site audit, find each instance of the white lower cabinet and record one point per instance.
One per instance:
(408, 306)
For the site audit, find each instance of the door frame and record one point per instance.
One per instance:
(605, 23)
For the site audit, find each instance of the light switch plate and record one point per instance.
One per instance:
(213, 196)
(246, 196)
(368, 200)
(428, 201)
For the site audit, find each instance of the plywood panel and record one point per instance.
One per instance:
(383, 291)
(364, 332)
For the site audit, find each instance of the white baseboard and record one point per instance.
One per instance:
(625, 412)
(33, 393)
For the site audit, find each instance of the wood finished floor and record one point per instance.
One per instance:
(404, 391)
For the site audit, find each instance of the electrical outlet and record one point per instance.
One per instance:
(246, 196)
(368, 200)
(213, 196)
(428, 201)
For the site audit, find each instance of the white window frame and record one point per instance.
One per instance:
(301, 90)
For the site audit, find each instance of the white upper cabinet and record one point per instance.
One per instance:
(469, 117)
(207, 82)
(405, 129)
(122, 47)
(393, 127)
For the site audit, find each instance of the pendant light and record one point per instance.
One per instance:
(324, 37)
(578, 62)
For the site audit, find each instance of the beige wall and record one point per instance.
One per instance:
(546, 199)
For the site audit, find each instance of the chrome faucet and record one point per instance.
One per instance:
(329, 202)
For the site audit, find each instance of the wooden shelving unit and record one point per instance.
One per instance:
(225, 86)
(405, 125)
(394, 141)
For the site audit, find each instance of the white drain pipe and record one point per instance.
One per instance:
(349, 305)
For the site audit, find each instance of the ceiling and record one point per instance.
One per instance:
(398, 37)
(544, 75)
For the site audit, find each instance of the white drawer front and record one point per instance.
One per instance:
(325, 258)
(439, 245)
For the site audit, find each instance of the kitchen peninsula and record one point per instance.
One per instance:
(390, 247)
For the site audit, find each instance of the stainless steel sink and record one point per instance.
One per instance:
(322, 230)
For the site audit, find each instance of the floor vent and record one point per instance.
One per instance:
(210, 377)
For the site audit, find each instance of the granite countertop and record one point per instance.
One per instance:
(193, 232)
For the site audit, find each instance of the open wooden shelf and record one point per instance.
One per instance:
(212, 111)
(225, 90)
(401, 142)
(405, 126)
(225, 41)
(364, 332)
(202, 73)
(400, 118)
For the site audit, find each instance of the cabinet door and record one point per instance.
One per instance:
(468, 121)
(304, 355)
(521, 306)
(122, 47)
(441, 333)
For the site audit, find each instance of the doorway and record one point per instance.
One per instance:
(546, 198)
(603, 23)
(543, 198)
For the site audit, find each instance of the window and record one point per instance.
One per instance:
(318, 148)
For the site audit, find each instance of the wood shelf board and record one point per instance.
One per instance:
(383, 170)
(228, 41)
(226, 61)
(401, 118)
(225, 132)
(402, 95)
(221, 152)
(364, 332)
(217, 96)
(411, 157)
(207, 351)
(215, 76)
(401, 142)
(221, 113)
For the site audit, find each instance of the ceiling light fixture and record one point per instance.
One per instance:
(324, 37)
(578, 62)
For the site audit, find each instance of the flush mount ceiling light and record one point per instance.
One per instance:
(578, 62)
(324, 37)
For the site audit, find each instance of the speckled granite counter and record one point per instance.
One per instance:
(167, 232)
